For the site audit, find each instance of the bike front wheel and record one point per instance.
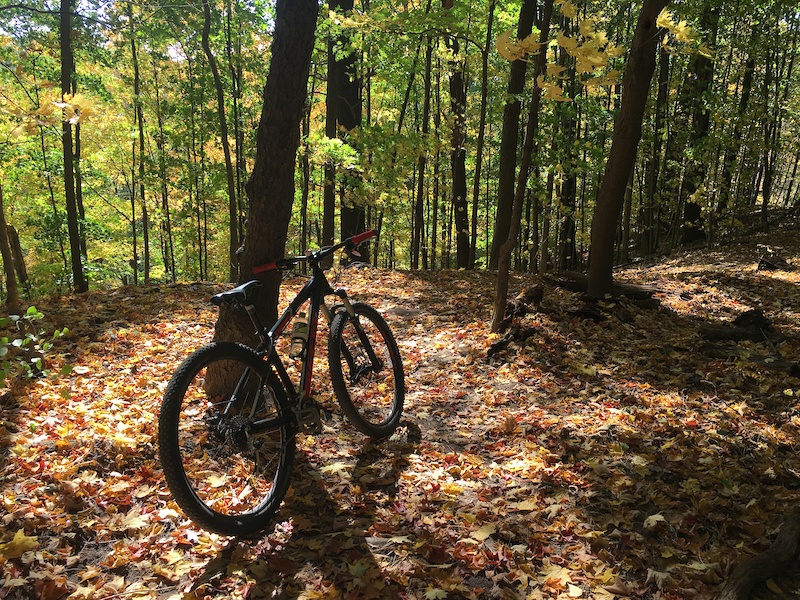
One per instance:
(366, 370)
(225, 439)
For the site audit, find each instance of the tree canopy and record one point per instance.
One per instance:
(158, 196)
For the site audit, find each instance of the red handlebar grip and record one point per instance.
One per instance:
(262, 268)
(363, 237)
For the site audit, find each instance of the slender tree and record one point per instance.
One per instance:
(12, 286)
(531, 133)
(79, 282)
(509, 138)
(627, 133)
(458, 149)
(230, 178)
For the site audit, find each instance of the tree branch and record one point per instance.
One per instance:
(28, 8)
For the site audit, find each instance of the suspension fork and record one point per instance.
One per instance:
(377, 364)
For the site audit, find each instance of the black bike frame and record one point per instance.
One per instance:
(315, 290)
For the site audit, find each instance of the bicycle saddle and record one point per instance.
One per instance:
(241, 294)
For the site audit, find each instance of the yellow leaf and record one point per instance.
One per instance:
(554, 70)
(573, 591)
(568, 9)
(664, 20)
(483, 533)
(566, 42)
(527, 505)
(774, 587)
(452, 489)
(134, 520)
(508, 48)
(653, 520)
(531, 44)
(587, 28)
(19, 545)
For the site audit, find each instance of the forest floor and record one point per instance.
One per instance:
(618, 451)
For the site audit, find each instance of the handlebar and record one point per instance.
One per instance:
(286, 263)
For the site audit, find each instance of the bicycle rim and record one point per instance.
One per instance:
(366, 371)
(226, 470)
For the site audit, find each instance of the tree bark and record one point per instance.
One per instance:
(67, 70)
(458, 149)
(510, 137)
(422, 161)
(12, 287)
(774, 561)
(233, 207)
(627, 133)
(532, 130)
(699, 85)
(476, 185)
(138, 118)
(348, 114)
(270, 187)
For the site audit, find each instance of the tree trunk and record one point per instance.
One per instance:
(649, 226)
(458, 149)
(509, 138)
(67, 71)
(233, 207)
(627, 133)
(473, 246)
(732, 153)
(138, 118)
(270, 187)
(531, 132)
(12, 287)
(167, 246)
(349, 109)
(699, 86)
(777, 559)
(419, 205)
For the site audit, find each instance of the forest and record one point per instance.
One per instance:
(581, 440)
(127, 133)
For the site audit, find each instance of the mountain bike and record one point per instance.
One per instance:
(230, 413)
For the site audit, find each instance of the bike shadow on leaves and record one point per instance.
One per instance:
(327, 540)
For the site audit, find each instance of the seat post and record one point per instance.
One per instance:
(256, 320)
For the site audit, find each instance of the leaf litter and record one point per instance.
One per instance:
(611, 457)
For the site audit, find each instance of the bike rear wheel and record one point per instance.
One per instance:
(225, 441)
(366, 370)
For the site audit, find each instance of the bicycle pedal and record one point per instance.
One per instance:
(308, 419)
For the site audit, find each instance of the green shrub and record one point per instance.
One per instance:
(22, 353)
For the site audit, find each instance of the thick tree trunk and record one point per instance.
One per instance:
(778, 558)
(510, 137)
(627, 133)
(270, 187)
